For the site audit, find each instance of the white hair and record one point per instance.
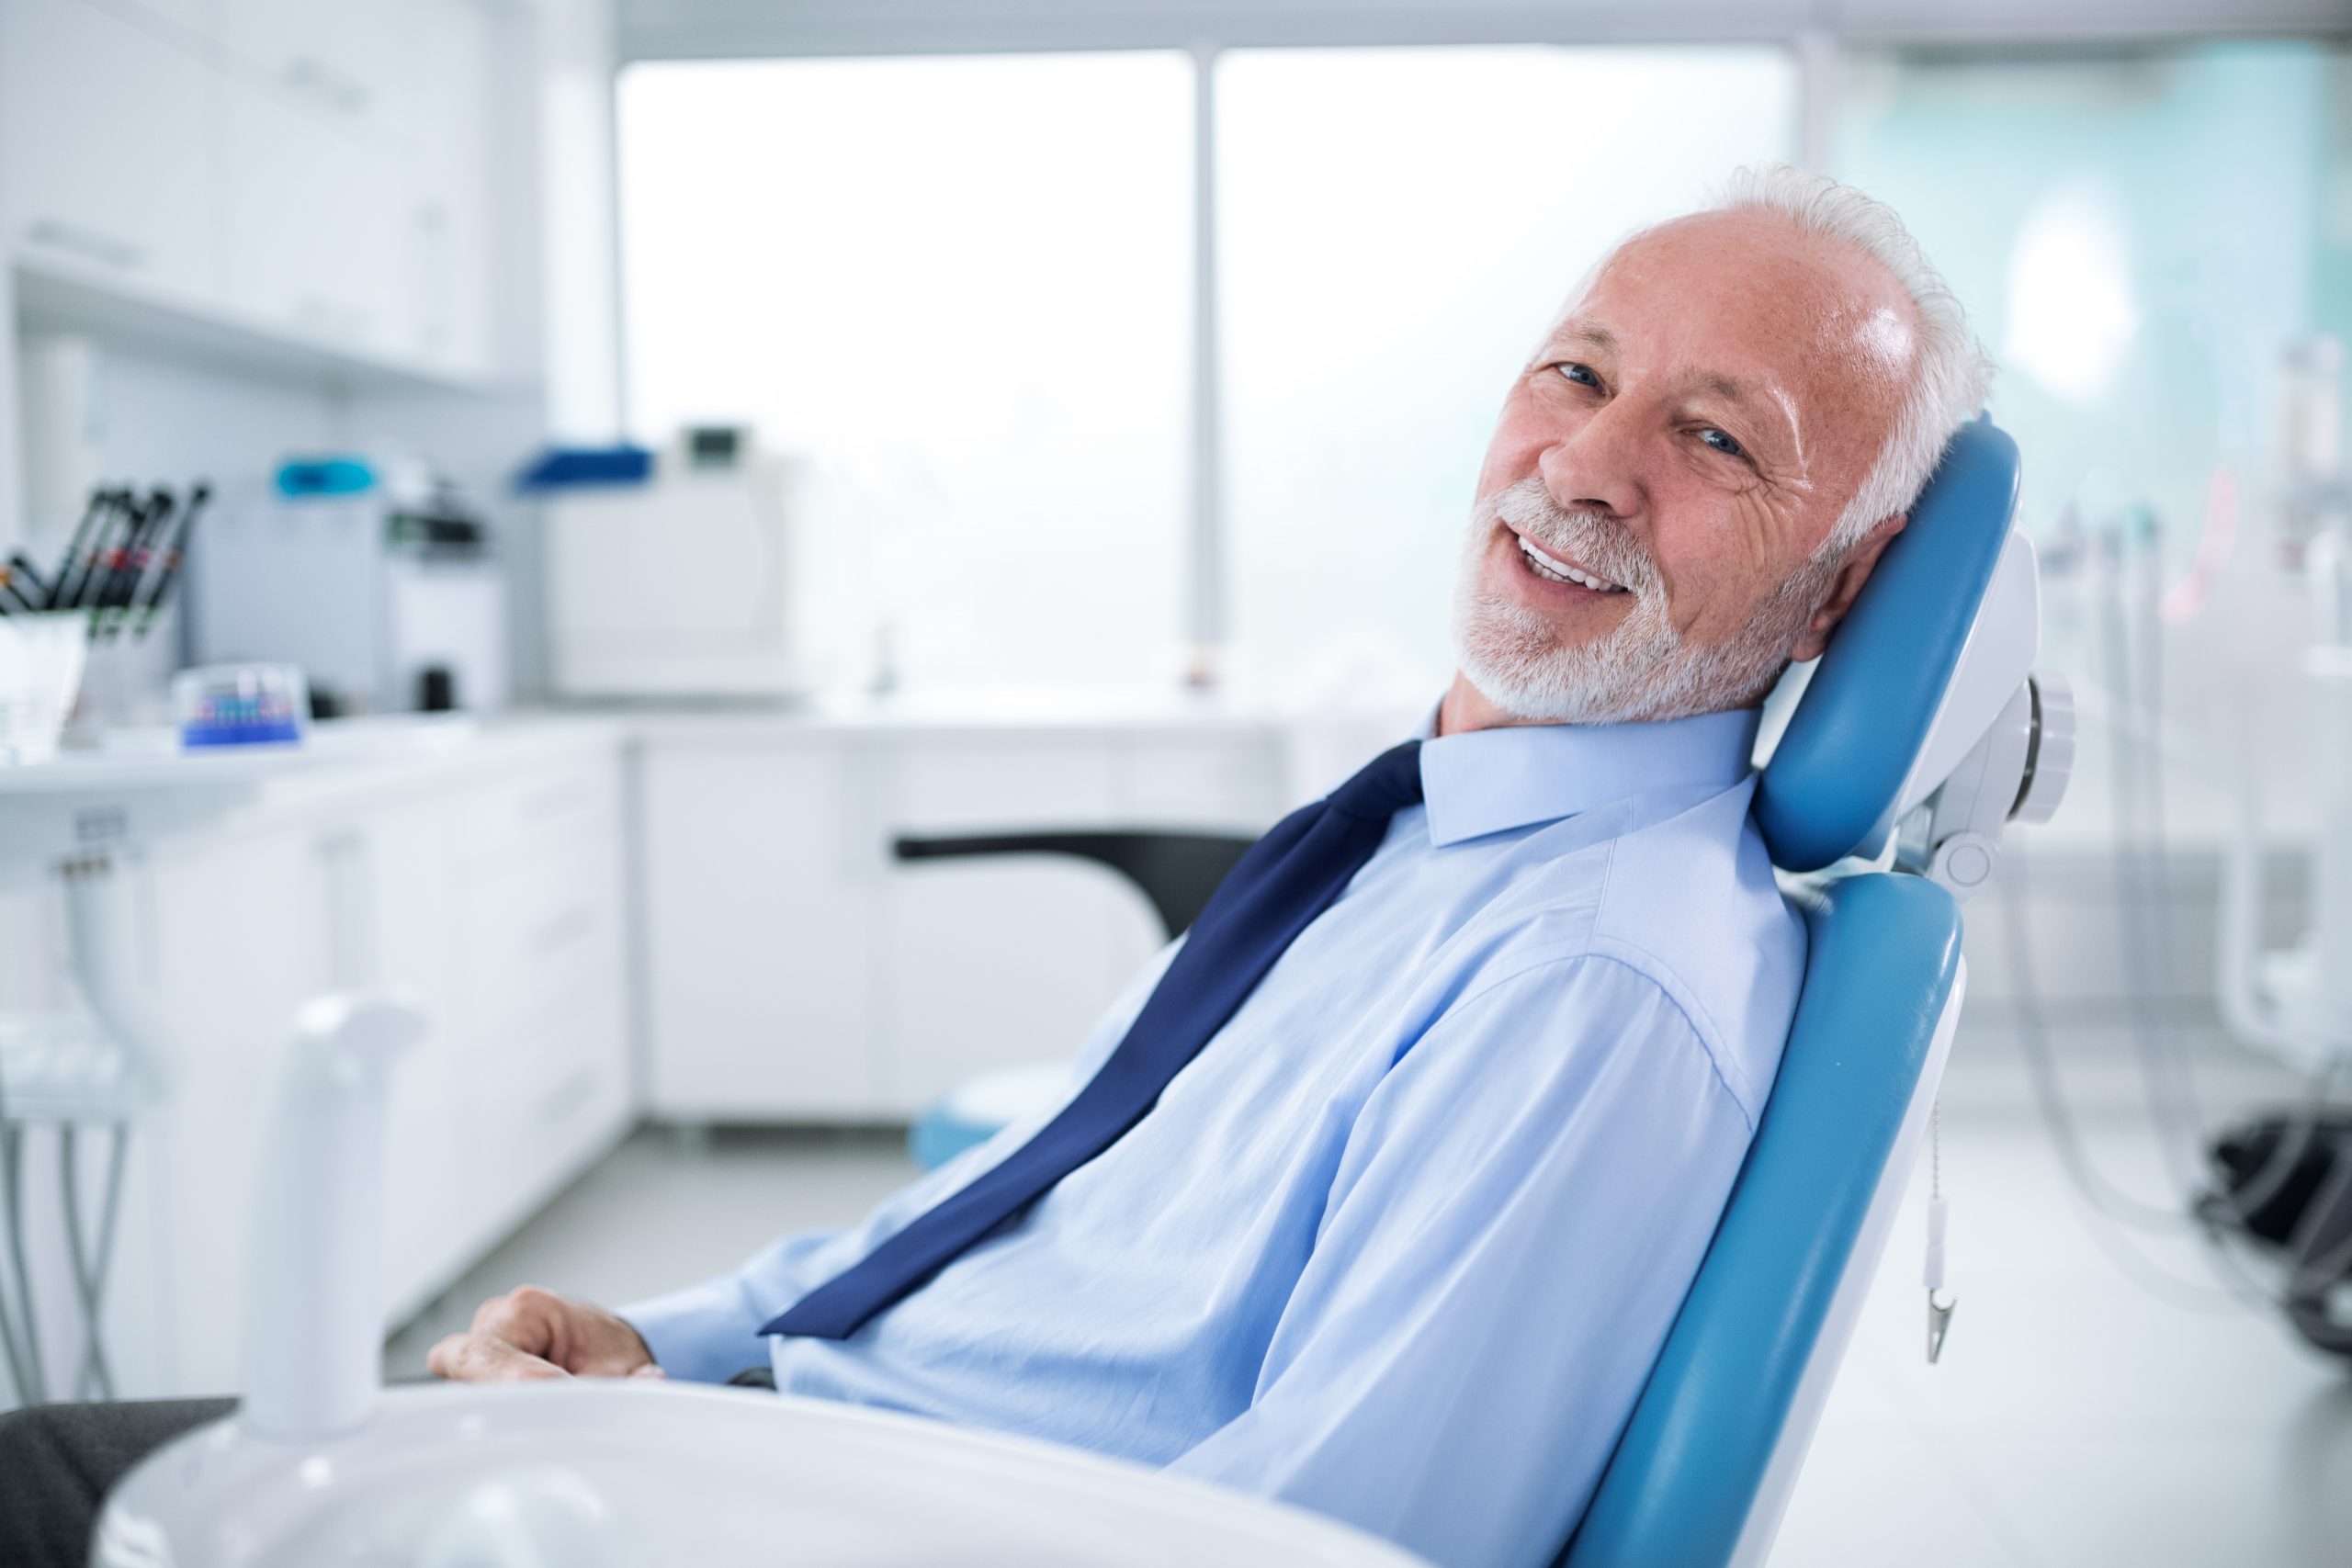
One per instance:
(1952, 372)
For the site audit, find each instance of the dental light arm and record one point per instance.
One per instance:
(2002, 744)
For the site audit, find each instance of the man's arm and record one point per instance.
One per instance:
(707, 1333)
(1515, 1220)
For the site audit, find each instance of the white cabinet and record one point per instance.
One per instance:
(237, 949)
(795, 971)
(341, 56)
(441, 119)
(761, 901)
(543, 1003)
(391, 894)
(993, 962)
(312, 222)
(108, 157)
(492, 896)
(319, 172)
(357, 196)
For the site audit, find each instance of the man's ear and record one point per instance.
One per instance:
(1846, 587)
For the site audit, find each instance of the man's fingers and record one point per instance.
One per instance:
(584, 1340)
(482, 1357)
(527, 1318)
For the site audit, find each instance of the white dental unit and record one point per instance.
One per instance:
(320, 1465)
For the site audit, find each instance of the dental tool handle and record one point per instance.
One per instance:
(314, 1305)
(1940, 1303)
(1934, 1272)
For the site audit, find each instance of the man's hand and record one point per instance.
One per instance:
(530, 1333)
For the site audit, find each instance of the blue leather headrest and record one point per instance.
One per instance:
(1829, 789)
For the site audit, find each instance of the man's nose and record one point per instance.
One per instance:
(1595, 467)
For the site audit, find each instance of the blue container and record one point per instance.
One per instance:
(571, 467)
(303, 477)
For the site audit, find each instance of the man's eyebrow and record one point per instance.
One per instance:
(1588, 334)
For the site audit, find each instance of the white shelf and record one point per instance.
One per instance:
(59, 292)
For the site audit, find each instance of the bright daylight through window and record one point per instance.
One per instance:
(962, 290)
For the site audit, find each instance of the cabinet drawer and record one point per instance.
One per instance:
(538, 1108)
(545, 929)
(540, 813)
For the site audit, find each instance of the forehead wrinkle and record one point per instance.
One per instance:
(1590, 334)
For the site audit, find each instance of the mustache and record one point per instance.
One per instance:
(1579, 536)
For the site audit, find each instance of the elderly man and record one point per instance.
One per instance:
(1379, 1191)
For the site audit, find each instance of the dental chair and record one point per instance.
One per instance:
(1920, 735)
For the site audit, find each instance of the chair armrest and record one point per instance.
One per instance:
(1176, 870)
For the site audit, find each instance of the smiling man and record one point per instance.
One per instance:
(1379, 1191)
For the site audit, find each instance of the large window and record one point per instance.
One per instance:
(964, 289)
(961, 288)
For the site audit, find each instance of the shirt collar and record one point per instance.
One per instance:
(1488, 781)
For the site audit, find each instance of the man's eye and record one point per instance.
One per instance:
(1581, 374)
(1721, 443)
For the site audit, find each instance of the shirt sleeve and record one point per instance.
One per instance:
(1518, 1213)
(708, 1332)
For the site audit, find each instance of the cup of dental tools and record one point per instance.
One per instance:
(41, 658)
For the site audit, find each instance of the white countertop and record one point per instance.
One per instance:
(150, 761)
(139, 787)
(146, 761)
(139, 784)
(995, 710)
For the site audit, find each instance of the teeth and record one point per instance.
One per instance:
(1558, 570)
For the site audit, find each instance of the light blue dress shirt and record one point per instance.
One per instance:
(1402, 1242)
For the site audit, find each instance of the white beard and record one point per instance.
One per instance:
(1642, 669)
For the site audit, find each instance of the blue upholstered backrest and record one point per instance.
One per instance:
(1830, 788)
(1884, 950)
(1882, 958)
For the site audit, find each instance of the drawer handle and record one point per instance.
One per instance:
(566, 1098)
(92, 244)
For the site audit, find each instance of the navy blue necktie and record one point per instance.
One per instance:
(1288, 877)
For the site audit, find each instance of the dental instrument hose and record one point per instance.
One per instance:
(24, 1374)
(2120, 1210)
(89, 1263)
(31, 1386)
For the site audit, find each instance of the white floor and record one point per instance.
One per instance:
(2081, 1416)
